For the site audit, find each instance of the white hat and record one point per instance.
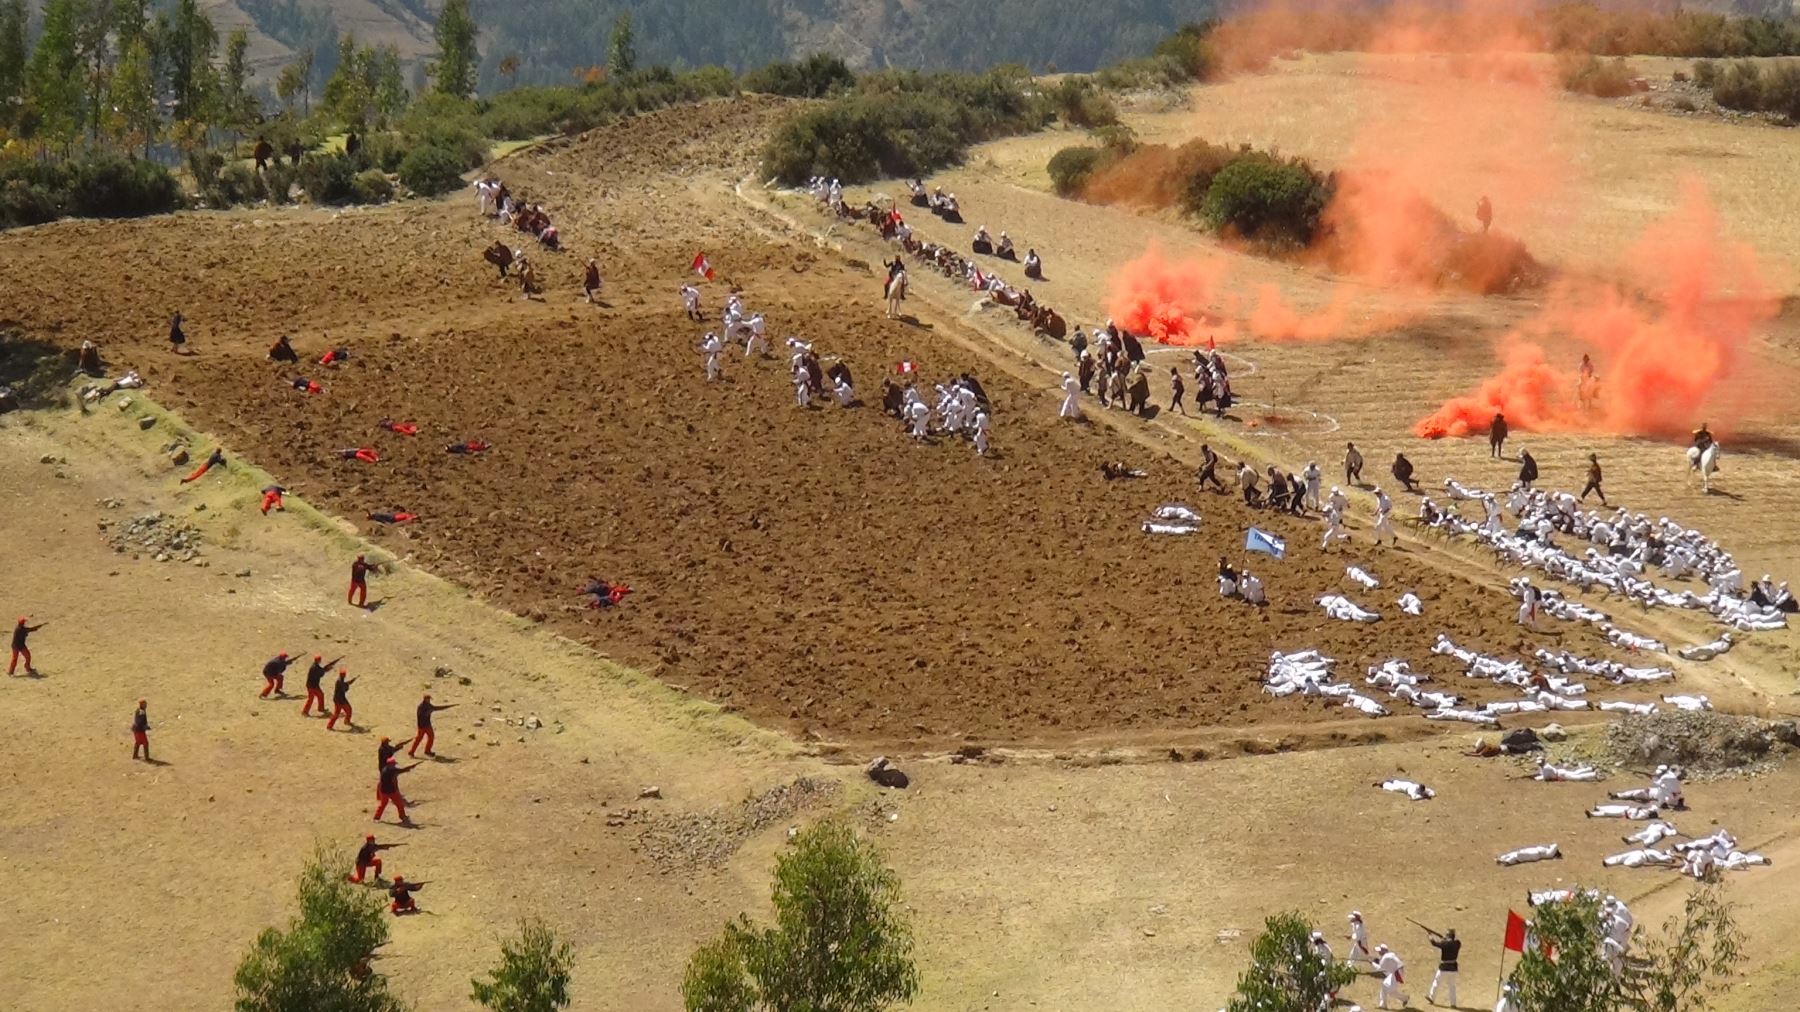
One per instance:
(1318, 936)
(1382, 948)
(1356, 915)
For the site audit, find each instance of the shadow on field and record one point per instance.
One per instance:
(33, 373)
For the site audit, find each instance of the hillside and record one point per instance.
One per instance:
(551, 38)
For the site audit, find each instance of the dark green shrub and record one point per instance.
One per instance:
(1260, 197)
(814, 77)
(1740, 86)
(1191, 49)
(24, 202)
(1081, 104)
(326, 178)
(278, 182)
(431, 170)
(1781, 91)
(233, 185)
(108, 186)
(1071, 168)
(1706, 73)
(371, 186)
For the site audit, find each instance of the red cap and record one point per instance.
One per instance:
(390, 761)
(283, 654)
(142, 704)
(370, 838)
(385, 739)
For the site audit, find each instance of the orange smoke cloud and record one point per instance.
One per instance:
(1170, 300)
(1274, 320)
(1662, 360)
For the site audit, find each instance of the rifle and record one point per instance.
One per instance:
(1434, 934)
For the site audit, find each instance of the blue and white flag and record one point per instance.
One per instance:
(1258, 540)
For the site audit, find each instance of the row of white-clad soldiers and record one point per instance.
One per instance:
(960, 404)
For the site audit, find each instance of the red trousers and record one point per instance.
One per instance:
(411, 907)
(140, 740)
(269, 685)
(359, 593)
(383, 798)
(374, 863)
(426, 735)
(340, 710)
(313, 696)
(16, 654)
(271, 500)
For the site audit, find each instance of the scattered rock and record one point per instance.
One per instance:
(532, 724)
(49, 458)
(1705, 745)
(688, 841)
(650, 792)
(199, 507)
(146, 423)
(242, 574)
(179, 457)
(1553, 732)
(124, 402)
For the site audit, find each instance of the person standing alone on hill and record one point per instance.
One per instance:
(1353, 464)
(177, 339)
(1528, 469)
(140, 730)
(1497, 435)
(590, 280)
(1593, 479)
(359, 582)
(1484, 213)
(19, 650)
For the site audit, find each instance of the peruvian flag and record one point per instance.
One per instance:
(702, 266)
(902, 368)
(979, 281)
(1515, 932)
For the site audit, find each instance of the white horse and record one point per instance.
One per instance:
(896, 293)
(1706, 463)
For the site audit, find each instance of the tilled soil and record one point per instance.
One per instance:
(814, 568)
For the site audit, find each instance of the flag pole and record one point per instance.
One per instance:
(1500, 978)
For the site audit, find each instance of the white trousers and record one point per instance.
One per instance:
(712, 366)
(1448, 979)
(1390, 988)
(1069, 409)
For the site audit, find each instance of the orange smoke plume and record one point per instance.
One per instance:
(1169, 300)
(1661, 360)
(1275, 320)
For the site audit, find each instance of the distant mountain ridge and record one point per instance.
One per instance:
(551, 39)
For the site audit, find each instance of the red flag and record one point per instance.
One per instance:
(702, 266)
(901, 368)
(1515, 932)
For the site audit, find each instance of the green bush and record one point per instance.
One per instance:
(431, 170)
(278, 182)
(326, 178)
(233, 185)
(1081, 104)
(1600, 78)
(1706, 73)
(1071, 168)
(1781, 91)
(903, 123)
(371, 186)
(382, 151)
(24, 202)
(1740, 86)
(320, 960)
(1191, 49)
(1261, 197)
(816, 76)
(108, 186)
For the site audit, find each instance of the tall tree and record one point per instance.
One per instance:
(296, 79)
(321, 959)
(93, 46)
(621, 49)
(237, 106)
(188, 49)
(55, 74)
(132, 97)
(533, 975)
(13, 55)
(454, 70)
